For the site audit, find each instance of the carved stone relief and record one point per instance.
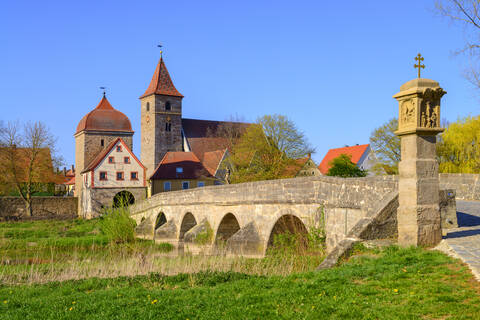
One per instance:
(407, 112)
(430, 108)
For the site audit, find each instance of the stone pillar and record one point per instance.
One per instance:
(419, 220)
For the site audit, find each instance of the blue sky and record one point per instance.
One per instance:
(330, 66)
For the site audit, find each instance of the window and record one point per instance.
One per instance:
(148, 106)
(126, 160)
(111, 159)
(168, 107)
(119, 148)
(103, 176)
(168, 125)
(179, 170)
(200, 184)
(102, 142)
(185, 185)
(134, 175)
(167, 186)
(119, 175)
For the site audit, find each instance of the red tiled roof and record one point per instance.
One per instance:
(201, 138)
(191, 166)
(161, 82)
(293, 169)
(105, 118)
(70, 173)
(355, 152)
(43, 163)
(211, 160)
(71, 181)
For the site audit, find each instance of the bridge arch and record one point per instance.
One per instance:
(188, 222)
(288, 224)
(160, 220)
(228, 227)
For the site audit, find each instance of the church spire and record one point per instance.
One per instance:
(161, 82)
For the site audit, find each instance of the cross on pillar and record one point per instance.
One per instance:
(420, 66)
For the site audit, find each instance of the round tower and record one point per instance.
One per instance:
(95, 131)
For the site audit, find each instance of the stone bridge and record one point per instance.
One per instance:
(246, 217)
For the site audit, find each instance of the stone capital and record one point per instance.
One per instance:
(419, 107)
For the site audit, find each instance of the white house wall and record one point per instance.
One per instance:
(112, 168)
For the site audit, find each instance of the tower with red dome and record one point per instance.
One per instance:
(95, 131)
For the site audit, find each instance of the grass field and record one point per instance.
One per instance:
(391, 283)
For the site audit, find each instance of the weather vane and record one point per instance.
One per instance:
(104, 90)
(420, 66)
(161, 51)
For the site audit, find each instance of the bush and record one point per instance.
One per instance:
(117, 225)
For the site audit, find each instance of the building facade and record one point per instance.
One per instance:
(96, 132)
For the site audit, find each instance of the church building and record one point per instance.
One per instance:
(165, 135)
(176, 153)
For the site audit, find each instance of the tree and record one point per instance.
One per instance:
(228, 131)
(459, 147)
(466, 13)
(26, 158)
(265, 149)
(386, 146)
(342, 166)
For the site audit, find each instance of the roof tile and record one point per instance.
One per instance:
(355, 152)
(161, 82)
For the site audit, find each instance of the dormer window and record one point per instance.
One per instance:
(179, 170)
(102, 142)
(168, 107)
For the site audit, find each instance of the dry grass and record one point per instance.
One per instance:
(114, 264)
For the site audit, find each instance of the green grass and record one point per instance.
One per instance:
(36, 246)
(391, 284)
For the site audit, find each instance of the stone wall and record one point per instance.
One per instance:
(94, 200)
(13, 208)
(466, 186)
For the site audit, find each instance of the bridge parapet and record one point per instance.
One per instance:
(334, 191)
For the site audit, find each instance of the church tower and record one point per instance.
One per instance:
(161, 119)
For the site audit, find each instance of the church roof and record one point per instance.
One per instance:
(191, 166)
(202, 135)
(212, 159)
(355, 152)
(161, 83)
(105, 118)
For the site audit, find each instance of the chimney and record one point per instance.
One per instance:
(64, 171)
(73, 168)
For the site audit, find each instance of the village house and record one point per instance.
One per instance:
(116, 172)
(361, 155)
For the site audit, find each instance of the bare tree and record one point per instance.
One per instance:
(467, 14)
(26, 154)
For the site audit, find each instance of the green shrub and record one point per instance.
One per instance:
(117, 225)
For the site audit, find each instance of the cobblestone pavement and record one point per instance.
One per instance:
(464, 241)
